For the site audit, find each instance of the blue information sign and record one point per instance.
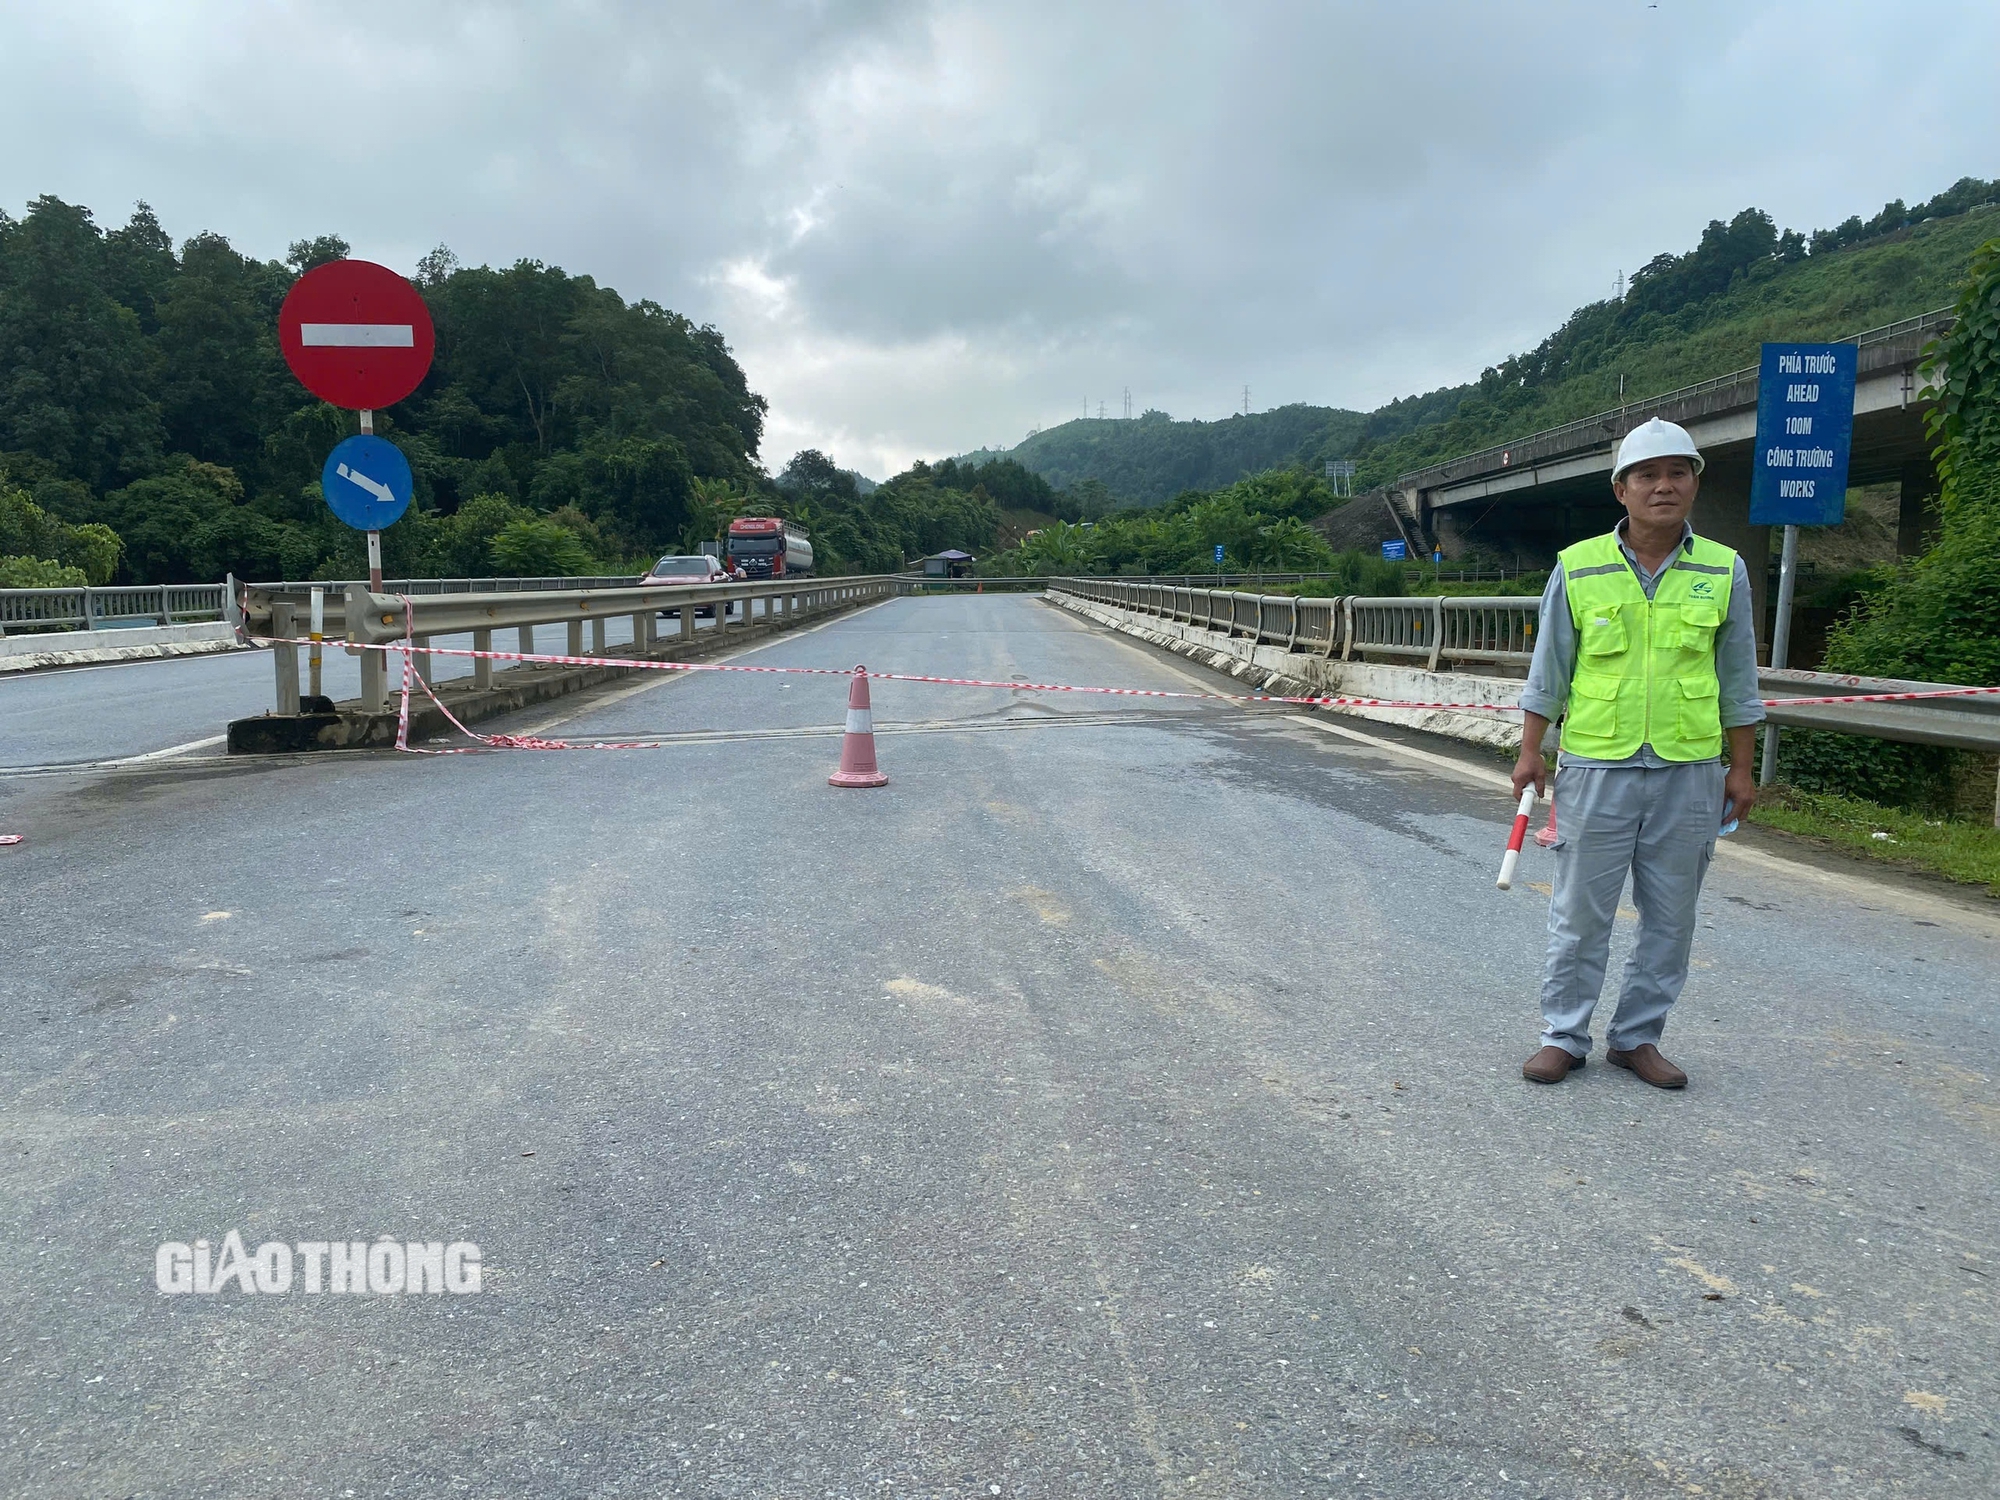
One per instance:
(366, 482)
(1218, 552)
(1395, 551)
(1805, 425)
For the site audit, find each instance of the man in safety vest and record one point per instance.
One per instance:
(1647, 637)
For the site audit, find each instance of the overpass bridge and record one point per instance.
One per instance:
(1540, 492)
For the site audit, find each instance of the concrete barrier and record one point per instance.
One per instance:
(1274, 669)
(76, 648)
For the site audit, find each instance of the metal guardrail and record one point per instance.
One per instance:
(1437, 631)
(32, 610)
(416, 586)
(1961, 723)
(358, 616)
(1430, 630)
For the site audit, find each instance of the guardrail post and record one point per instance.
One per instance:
(642, 630)
(574, 644)
(687, 622)
(426, 664)
(482, 669)
(1292, 644)
(285, 659)
(165, 615)
(524, 640)
(599, 634)
(1347, 627)
(90, 609)
(1437, 632)
(374, 698)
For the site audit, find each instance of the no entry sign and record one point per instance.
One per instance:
(356, 334)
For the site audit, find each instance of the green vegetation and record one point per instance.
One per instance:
(144, 391)
(1150, 459)
(1959, 850)
(39, 551)
(1259, 522)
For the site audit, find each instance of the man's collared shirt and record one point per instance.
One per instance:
(1547, 688)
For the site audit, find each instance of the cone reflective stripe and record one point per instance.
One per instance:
(857, 745)
(1511, 860)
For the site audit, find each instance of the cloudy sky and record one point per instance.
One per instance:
(928, 227)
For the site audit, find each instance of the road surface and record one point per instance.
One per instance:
(1125, 1101)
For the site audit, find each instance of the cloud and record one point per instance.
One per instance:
(925, 227)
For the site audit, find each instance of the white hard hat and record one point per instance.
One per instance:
(1655, 439)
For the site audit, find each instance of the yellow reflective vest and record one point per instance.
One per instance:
(1645, 668)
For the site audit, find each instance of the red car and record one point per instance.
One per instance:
(692, 570)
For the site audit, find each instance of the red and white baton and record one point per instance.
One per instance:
(1512, 858)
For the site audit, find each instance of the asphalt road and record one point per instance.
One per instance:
(1124, 1101)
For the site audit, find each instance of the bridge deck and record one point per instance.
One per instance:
(1123, 1101)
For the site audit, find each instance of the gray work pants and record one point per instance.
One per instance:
(1661, 826)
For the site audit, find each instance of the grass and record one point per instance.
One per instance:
(1959, 850)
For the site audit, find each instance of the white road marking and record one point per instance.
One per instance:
(191, 745)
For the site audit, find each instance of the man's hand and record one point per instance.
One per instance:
(1739, 785)
(1531, 769)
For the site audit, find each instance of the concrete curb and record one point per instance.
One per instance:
(1294, 673)
(82, 648)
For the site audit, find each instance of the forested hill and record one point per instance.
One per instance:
(142, 389)
(1153, 458)
(1685, 317)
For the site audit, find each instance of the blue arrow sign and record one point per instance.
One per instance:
(1805, 426)
(366, 482)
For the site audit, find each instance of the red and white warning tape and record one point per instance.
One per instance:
(411, 678)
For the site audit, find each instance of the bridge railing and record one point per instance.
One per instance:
(32, 610)
(278, 614)
(1428, 630)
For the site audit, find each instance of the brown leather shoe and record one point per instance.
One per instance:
(1550, 1065)
(1645, 1060)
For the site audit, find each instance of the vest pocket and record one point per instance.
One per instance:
(1698, 624)
(1601, 631)
(1701, 707)
(1593, 709)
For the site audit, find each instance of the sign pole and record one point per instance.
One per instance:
(318, 634)
(374, 537)
(1781, 642)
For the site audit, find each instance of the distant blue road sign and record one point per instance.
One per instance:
(366, 482)
(1395, 551)
(1218, 552)
(1805, 427)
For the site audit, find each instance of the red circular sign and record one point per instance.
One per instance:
(356, 334)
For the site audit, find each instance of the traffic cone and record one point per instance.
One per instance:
(857, 746)
(1547, 837)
